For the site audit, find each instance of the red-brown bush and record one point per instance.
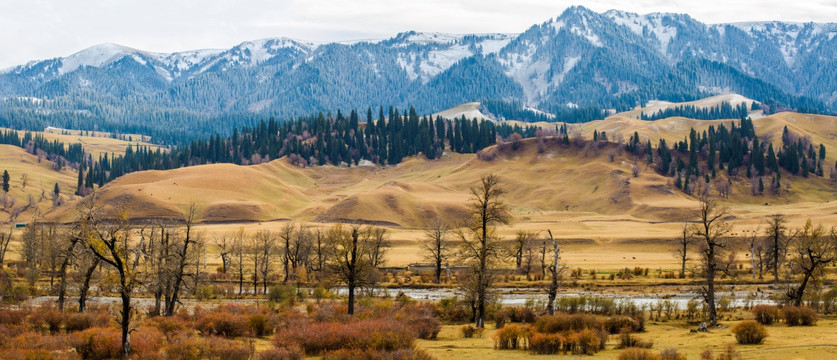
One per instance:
(801, 315)
(169, 325)
(12, 317)
(83, 321)
(617, 324)
(220, 348)
(98, 343)
(186, 347)
(285, 353)
(355, 354)
(222, 323)
(47, 320)
(147, 342)
(766, 314)
(317, 338)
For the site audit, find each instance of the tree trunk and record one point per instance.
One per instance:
(776, 260)
(62, 286)
(800, 291)
(553, 288)
(351, 287)
(126, 324)
(710, 287)
(85, 285)
(438, 269)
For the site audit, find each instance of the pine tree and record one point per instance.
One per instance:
(5, 181)
(56, 190)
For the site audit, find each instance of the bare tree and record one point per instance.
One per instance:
(319, 252)
(299, 251)
(684, 241)
(65, 257)
(181, 258)
(348, 259)
(111, 244)
(555, 272)
(6, 235)
(225, 251)
(31, 250)
(286, 234)
(776, 232)
(814, 250)
(711, 231)
(265, 247)
(435, 244)
(754, 241)
(239, 252)
(480, 247)
(378, 244)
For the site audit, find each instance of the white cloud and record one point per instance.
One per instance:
(39, 29)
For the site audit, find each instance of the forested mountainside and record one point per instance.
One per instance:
(578, 59)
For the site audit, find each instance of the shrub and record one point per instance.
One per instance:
(562, 322)
(671, 354)
(222, 323)
(626, 340)
(84, 321)
(47, 319)
(99, 343)
(471, 331)
(617, 324)
(12, 317)
(146, 342)
(220, 348)
(588, 342)
(186, 347)
(749, 332)
(354, 354)
(169, 325)
(546, 344)
(511, 337)
(796, 316)
(284, 353)
(426, 328)
(317, 338)
(637, 354)
(260, 325)
(807, 316)
(729, 353)
(282, 293)
(766, 314)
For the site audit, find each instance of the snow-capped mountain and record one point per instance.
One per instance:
(613, 59)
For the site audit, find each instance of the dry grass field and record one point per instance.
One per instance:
(783, 342)
(607, 218)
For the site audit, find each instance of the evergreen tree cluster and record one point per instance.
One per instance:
(736, 150)
(723, 110)
(314, 140)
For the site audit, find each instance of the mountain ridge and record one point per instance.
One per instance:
(615, 59)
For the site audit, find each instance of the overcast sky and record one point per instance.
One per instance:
(42, 29)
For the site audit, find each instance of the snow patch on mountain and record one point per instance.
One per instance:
(97, 56)
(652, 23)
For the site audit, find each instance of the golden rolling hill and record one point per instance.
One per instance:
(558, 182)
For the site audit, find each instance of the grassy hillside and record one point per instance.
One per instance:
(40, 182)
